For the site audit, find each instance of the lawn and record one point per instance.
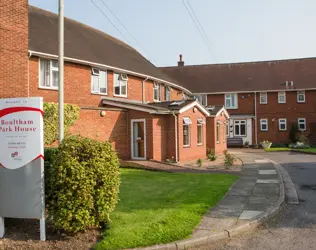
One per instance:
(160, 207)
(307, 150)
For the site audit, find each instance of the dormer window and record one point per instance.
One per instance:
(157, 92)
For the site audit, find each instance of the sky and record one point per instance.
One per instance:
(237, 30)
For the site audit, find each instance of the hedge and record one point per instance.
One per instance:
(71, 114)
(82, 184)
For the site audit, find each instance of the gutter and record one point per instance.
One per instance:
(93, 64)
(176, 133)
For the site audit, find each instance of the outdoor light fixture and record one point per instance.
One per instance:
(102, 113)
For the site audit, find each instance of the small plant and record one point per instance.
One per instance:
(246, 144)
(303, 139)
(172, 160)
(210, 152)
(199, 162)
(229, 159)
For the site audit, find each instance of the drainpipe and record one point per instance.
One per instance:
(256, 124)
(143, 86)
(28, 74)
(176, 133)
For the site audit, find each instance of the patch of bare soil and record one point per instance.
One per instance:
(24, 234)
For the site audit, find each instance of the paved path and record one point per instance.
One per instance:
(256, 190)
(295, 228)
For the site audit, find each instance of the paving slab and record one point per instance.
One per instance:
(267, 172)
(249, 214)
(267, 181)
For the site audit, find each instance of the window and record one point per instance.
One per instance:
(281, 97)
(231, 101)
(282, 124)
(200, 123)
(227, 128)
(301, 124)
(263, 98)
(218, 132)
(120, 84)
(186, 131)
(301, 96)
(264, 124)
(167, 93)
(202, 99)
(99, 83)
(157, 92)
(48, 74)
(240, 128)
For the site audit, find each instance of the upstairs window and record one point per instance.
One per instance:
(167, 93)
(120, 84)
(231, 101)
(48, 77)
(281, 97)
(99, 83)
(282, 124)
(157, 92)
(300, 96)
(202, 99)
(301, 124)
(263, 98)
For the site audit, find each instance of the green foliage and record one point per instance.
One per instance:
(293, 133)
(279, 145)
(82, 184)
(199, 162)
(303, 139)
(210, 152)
(51, 120)
(50, 154)
(229, 159)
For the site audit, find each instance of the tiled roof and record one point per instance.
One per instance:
(249, 76)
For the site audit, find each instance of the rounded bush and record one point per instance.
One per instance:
(82, 184)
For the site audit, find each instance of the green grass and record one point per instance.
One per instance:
(160, 207)
(307, 150)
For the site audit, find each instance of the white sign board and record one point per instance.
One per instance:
(22, 160)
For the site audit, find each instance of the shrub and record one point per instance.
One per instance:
(298, 145)
(82, 184)
(210, 152)
(199, 162)
(51, 120)
(279, 145)
(303, 139)
(293, 133)
(229, 159)
(50, 154)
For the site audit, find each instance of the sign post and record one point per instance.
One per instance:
(22, 161)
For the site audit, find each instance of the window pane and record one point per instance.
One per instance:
(55, 64)
(200, 132)
(44, 73)
(243, 129)
(103, 82)
(186, 135)
(123, 87)
(95, 83)
(155, 94)
(117, 90)
(55, 78)
(228, 102)
(237, 129)
(217, 133)
(233, 97)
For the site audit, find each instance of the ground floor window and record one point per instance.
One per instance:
(186, 131)
(218, 132)
(200, 123)
(301, 124)
(282, 124)
(227, 128)
(264, 124)
(240, 127)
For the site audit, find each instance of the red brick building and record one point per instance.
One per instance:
(263, 99)
(123, 98)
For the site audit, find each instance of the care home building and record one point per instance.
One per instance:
(264, 99)
(123, 98)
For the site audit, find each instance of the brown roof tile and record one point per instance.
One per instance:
(251, 76)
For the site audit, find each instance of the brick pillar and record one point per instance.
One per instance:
(13, 48)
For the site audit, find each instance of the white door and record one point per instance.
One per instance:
(138, 139)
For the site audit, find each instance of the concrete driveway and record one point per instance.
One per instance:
(296, 226)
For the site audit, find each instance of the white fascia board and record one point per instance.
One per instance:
(92, 64)
(193, 104)
(223, 110)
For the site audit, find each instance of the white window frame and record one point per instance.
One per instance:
(299, 122)
(157, 86)
(202, 99)
(282, 121)
(283, 93)
(120, 84)
(239, 123)
(51, 69)
(301, 93)
(264, 94)
(227, 128)
(218, 132)
(264, 122)
(200, 125)
(230, 97)
(189, 135)
(97, 72)
(167, 94)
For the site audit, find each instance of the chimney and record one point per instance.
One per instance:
(14, 48)
(180, 63)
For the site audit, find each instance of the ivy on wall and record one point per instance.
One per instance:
(71, 115)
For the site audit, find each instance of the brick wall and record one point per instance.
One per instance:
(13, 48)
(211, 140)
(78, 86)
(194, 151)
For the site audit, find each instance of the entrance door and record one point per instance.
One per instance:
(138, 139)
